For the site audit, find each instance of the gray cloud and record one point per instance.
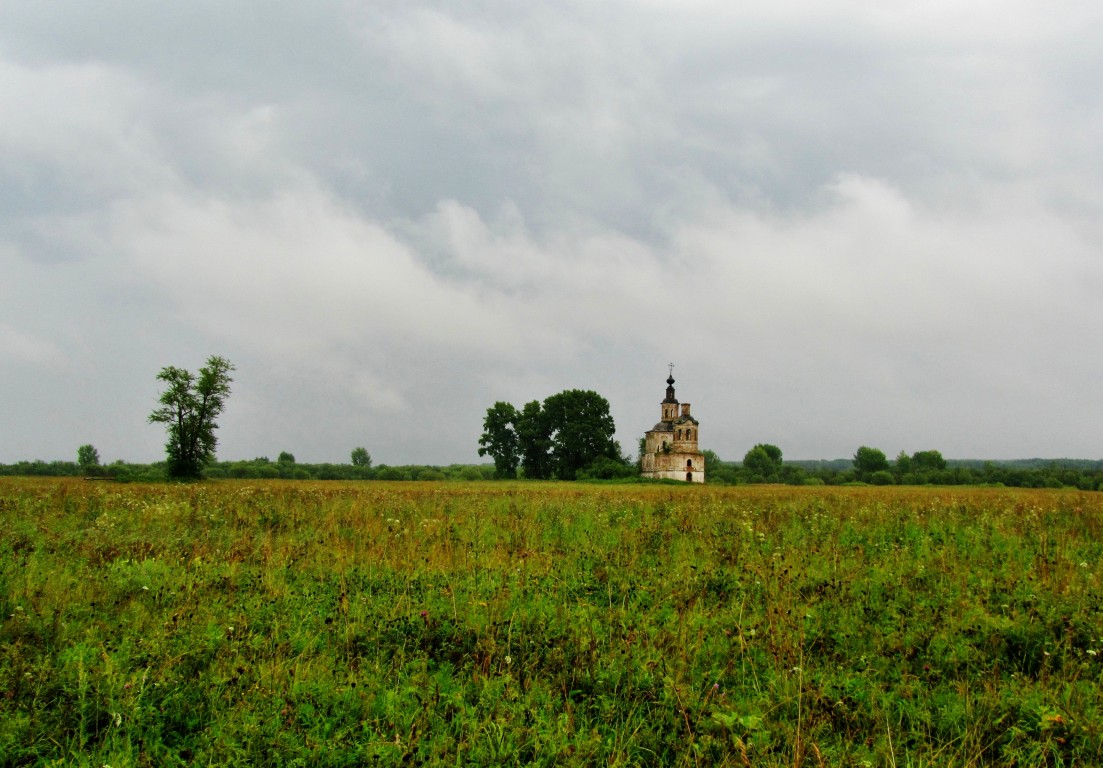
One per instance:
(850, 227)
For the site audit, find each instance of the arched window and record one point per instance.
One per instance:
(689, 462)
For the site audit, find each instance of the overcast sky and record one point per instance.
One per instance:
(854, 223)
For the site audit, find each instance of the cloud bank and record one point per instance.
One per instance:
(863, 227)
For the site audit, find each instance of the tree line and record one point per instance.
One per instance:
(764, 464)
(261, 468)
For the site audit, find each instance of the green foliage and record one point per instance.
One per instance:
(763, 461)
(607, 468)
(903, 464)
(190, 406)
(581, 431)
(360, 458)
(285, 458)
(869, 460)
(534, 438)
(499, 439)
(88, 458)
(558, 438)
(928, 461)
(339, 624)
(882, 477)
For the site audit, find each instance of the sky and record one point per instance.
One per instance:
(846, 224)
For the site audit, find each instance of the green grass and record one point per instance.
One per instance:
(253, 623)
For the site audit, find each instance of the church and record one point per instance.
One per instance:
(670, 447)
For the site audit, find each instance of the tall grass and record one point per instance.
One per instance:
(551, 624)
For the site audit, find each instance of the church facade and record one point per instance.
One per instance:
(670, 447)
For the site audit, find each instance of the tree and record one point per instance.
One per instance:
(534, 440)
(763, 461)
(717, 471)
(189, 408)
(499, 439)
(565, 434)
(88, 458)
(360, 458)
(580, 429)
(285, 457)
(928, 461)
(903, 463)
(869, 460)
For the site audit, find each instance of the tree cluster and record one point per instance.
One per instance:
(763, 464)
(568, 436)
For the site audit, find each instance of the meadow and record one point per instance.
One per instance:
(280, 623)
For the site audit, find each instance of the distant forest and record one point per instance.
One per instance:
(870, 466)
(757, 467)
(261, 468)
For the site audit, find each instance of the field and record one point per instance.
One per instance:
(315, 624)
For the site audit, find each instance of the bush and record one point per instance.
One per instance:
(391, 473)
(605, 468)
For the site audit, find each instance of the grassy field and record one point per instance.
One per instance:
(282, 623)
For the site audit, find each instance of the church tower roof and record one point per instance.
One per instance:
(670, 389)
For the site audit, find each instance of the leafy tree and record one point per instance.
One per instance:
(534, 439)
(360, 458)
(499, 439)
(566, 433)
(189, 408)
(285, 458)
(763, 461)
(581, 430)
(718, 471)
(712, 459)
(869, 460)
(903, 463)
(928, 461)
(88, 458)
